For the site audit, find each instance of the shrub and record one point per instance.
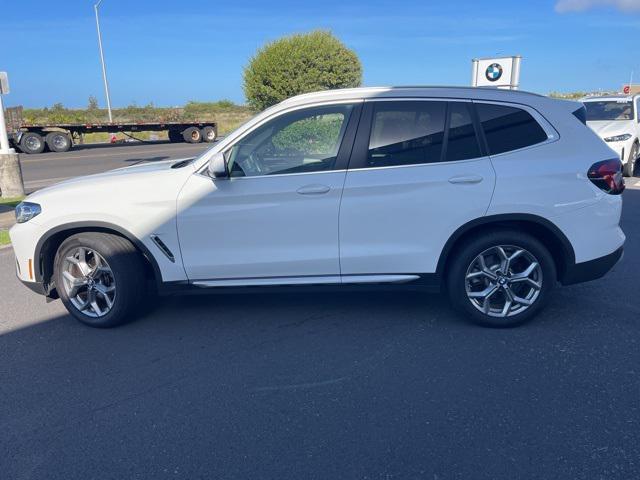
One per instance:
(299, 64)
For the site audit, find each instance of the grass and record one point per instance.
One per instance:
(10, 202)
(4, 237)
(7, 202)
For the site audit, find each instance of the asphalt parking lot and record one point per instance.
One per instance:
(342, 385)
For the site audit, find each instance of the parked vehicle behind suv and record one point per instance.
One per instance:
(616, 119)
(493, 196)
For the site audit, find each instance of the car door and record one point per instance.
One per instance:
(275, 218)
(416, 174)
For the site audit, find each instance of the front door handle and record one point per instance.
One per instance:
(466, 179)
(315, 189)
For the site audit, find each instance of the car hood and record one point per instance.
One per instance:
(141, 174)
(609, 128)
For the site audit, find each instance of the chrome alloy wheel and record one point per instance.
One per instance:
(503, 281)
(89, 282)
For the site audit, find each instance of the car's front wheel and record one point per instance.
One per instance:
(501, 278)
(100, 278)
(630, 166)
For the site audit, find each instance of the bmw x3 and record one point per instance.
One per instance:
(494, 197)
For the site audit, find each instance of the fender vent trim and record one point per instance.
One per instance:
(163, 248)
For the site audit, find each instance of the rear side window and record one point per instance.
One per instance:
(462, 141)
(406, 133)
(508, 128)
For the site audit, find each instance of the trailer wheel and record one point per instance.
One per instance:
(58, 141)
(174, 136)
(209, 134)
(32, 142)
(192, 135)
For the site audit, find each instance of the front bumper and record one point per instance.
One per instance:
(35, 287)
(592, 269)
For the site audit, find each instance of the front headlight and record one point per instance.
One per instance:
(618, 138)
(25, 211)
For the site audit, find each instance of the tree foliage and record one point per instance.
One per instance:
(299, 64)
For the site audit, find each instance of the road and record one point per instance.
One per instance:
(46, 168)
(324, 386)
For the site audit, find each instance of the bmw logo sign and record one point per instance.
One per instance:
(494, 72)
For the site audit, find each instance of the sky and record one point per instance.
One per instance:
(168, 52)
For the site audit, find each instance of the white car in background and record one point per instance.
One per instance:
(616, 120)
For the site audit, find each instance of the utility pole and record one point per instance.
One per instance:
(104, 68)
(11, 184)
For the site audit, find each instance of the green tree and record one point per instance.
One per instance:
(299, 64)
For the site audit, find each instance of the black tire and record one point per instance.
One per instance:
(192, 135)
(175, 136)
(209, 134)
(630, 166)
(58, 141)
(471, 248)
(127, 267)
(32, 142)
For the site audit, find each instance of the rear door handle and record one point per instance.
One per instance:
(314, 189)
(466, 179)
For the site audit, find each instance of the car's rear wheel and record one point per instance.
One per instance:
(501, 279)
(100, 278)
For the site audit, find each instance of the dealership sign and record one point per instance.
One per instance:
(502, 72)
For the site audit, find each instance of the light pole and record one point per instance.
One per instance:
(104, 68)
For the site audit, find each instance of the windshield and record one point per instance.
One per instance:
(609, 110)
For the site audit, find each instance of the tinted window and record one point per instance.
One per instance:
(638, 109)
(609, 110)
(508, 128)
(405, 133)
(462, 141)
(302, 141)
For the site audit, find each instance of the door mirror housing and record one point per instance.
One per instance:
(218, 166)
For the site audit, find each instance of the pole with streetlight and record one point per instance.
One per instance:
(104, 68)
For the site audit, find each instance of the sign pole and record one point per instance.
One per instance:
(4, 140)
(11, 183)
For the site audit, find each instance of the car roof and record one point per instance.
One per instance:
(479, 93)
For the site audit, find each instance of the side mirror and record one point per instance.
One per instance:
(218, 166)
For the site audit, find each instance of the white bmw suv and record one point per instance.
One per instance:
(493, 196)
(616, 119)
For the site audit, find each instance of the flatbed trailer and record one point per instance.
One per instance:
(60, 137)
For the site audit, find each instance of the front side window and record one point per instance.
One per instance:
(302, 141)
(406, 133)
(508, 128)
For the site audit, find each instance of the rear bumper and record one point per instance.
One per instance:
(592, 269)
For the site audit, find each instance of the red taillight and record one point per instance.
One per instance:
(607, 176)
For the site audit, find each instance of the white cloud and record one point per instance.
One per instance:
(563, 6)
